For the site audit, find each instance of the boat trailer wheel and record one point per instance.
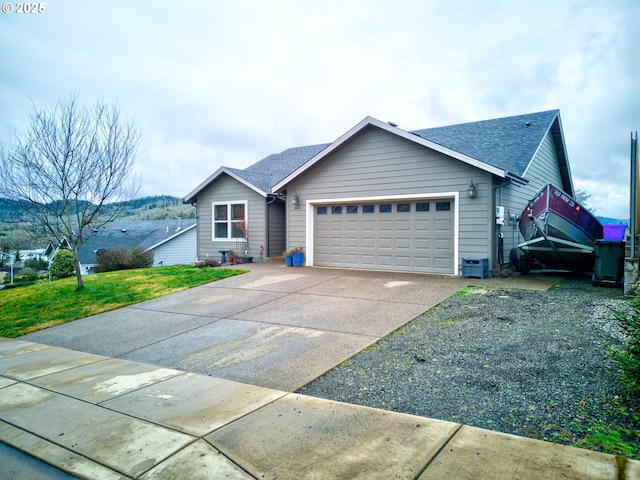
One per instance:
(520, 264)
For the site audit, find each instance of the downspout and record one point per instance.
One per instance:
(194, 204)
(271, 199)
(496, 228)
(632, 194)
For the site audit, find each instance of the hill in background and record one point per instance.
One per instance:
(604, 220)
(155, 208)
(15, 233)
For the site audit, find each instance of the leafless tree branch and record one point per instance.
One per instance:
(69, 165)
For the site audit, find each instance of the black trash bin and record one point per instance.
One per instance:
(609, 263)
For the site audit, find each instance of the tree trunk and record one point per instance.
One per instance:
(78, 271)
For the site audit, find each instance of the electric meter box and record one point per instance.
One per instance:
(500, 215)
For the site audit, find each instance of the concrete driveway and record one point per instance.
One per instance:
(277, 327)
(92, 416)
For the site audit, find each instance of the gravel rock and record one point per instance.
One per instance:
(529, 363)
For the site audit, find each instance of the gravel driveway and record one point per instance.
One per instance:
(529, 363)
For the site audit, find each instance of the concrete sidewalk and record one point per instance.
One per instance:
(102, 418)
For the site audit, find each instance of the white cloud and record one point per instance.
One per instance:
(214, 83)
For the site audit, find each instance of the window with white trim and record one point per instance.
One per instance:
(229, 220)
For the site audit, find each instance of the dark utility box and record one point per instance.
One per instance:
(475, 267)
(609, 263)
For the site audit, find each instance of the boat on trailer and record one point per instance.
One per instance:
(558, 233)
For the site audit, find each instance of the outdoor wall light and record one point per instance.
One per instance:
(471, 190)
(294, 200)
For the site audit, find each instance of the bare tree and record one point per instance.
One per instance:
(72, 162)
(583, 197)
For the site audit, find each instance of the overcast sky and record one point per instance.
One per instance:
(214, 83)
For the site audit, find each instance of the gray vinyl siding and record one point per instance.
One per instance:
(377, 163)
(225, 189)
(542, 169)
(277, 230)
(476, 218)
(180, 250)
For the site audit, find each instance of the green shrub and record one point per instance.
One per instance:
(206, 263)
(27, 275)
(63, 264)
(628, 358)
(16, 285)
(36, 264)
(111, 259)
(140, 258)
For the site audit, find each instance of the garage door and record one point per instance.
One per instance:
(416, 236)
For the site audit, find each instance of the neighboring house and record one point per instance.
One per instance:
(173, 242)
(383, 198)
(6, 257)
(53, 248)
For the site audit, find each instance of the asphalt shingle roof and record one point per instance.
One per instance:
(270, 170)
(506, 143)
(143, 234)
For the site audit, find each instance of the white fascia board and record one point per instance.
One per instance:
(246, 183)
(310, 205)
(215, 175)
(320, 155)
(191, 195)
(439, 148)
(564, 149)
(548, 132)
(396, 131)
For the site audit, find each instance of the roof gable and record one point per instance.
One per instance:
(236, 174)
(370, 121)
(262, 175)
(504, 147)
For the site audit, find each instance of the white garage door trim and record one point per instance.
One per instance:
(311, 204)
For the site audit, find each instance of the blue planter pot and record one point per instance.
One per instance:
(297, 259)
(288, 261)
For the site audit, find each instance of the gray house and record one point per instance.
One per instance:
(173, 242)
(383, 198)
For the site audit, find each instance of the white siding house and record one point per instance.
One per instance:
(179, 249)
(173, 242)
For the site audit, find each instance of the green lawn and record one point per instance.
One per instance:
(45, 304)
